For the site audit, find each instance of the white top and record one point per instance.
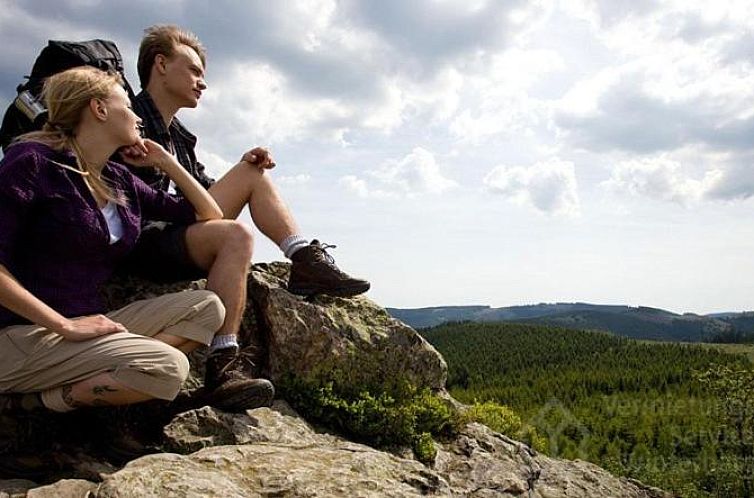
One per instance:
(114, 222)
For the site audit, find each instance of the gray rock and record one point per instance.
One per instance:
(353, 336)
(66, 488)
(14, 488)
(197, 429)
(289, 458)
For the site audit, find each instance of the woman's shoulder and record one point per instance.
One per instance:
(26, 159)
(28, 149)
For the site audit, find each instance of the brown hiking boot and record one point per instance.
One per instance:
(18, 403)
(314, 272)
(229, 388)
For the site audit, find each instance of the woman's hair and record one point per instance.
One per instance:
(66, 95)
(163, 39)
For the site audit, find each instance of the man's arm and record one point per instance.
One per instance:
(202, 177)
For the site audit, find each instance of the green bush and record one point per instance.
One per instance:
(502, 419)
(497, 417)
(405, 417)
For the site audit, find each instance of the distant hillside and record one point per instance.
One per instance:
(633, 407)
(635, 322)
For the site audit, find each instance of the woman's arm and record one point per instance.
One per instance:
(154, 155)
(20, 301)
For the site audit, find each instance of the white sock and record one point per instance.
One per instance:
(291, 244)
(223, 341)
(53, 400)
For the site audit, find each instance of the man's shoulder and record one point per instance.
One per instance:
(181, 129)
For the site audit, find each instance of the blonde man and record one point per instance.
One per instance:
(171, 69)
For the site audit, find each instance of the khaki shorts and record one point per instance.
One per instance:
(32, 359)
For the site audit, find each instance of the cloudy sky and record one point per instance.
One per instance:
(472, 151)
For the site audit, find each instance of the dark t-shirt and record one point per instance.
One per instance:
(54, 239)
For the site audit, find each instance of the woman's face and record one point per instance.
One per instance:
(123, 121)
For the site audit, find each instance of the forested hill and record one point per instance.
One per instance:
(634, 322)
(677, 416)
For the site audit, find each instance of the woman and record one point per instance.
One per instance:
(67, 216)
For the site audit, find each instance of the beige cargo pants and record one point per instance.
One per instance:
(33, 359)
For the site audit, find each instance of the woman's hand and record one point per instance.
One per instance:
(146, 153)
(88, 327)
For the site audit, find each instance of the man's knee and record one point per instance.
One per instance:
(240, 235)
(219, 234)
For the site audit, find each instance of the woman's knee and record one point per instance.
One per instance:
(210, 310)
(159, 371)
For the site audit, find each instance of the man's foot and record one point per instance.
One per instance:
(229, 388)
(314, 272)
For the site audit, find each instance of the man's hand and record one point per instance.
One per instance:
(259, 158)
(89, 327)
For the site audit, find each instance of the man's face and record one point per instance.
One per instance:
(184, 76)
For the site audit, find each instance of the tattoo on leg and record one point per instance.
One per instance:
(103, 390)
(68, 397)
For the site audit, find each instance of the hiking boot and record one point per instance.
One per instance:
(314, 272)
(11, 403)
(231, 389)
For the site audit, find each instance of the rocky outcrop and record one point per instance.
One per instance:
(276, 452)
(311, 336)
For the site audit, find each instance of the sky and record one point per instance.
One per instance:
(475, 152)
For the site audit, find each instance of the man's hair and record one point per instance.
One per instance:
(163, 39)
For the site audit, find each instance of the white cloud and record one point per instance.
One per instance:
(215, 165)
(549, 186)
(418, 173)
(660, 178)
(300, 179)
(256, 103)
(496, 99)
(359, 187)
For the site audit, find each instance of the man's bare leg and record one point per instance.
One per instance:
(313, 271)
(245, 185)
(223, 248)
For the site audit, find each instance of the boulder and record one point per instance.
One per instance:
(356, 337)
(285, 456)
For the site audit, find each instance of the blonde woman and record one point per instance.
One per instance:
(68, 215)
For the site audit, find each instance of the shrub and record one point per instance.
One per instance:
(502, 419)
(405, 417)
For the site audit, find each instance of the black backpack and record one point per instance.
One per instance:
(27, 112)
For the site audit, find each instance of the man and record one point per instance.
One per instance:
(171, 71)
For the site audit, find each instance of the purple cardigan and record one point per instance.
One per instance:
(53, 237)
